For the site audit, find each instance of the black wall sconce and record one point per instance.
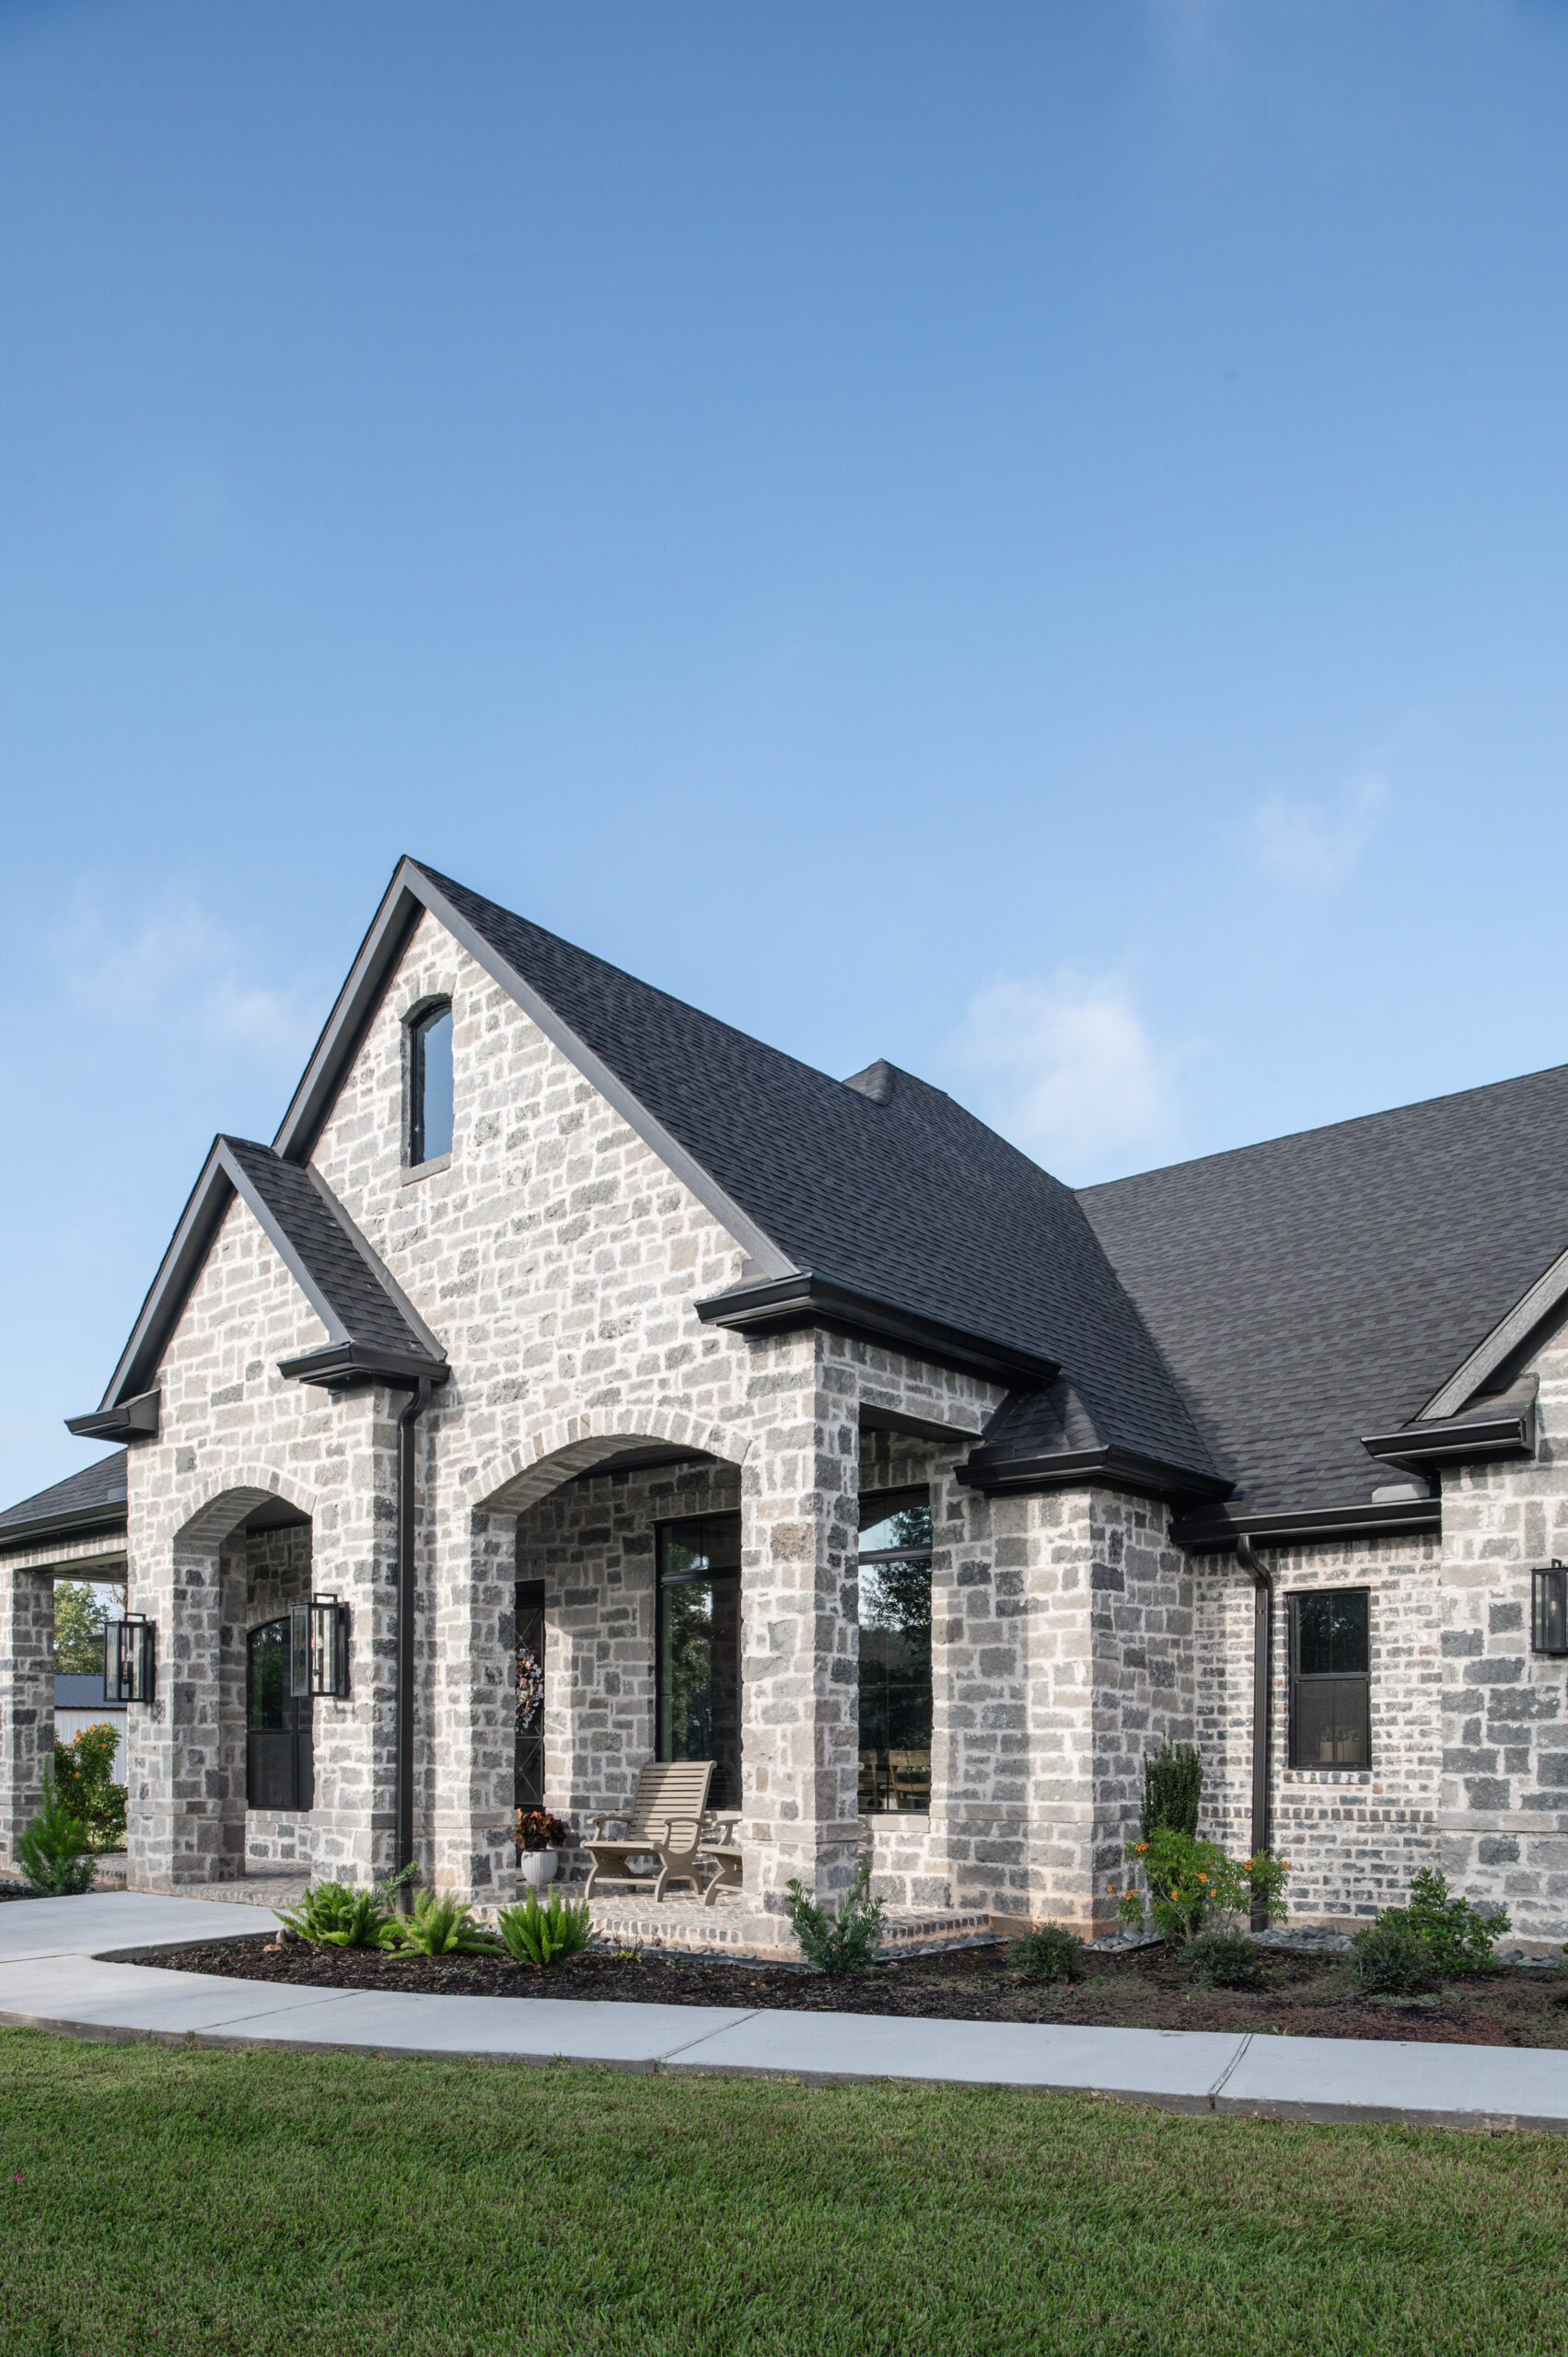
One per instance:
(128, 1659)
(1548, 1609)
(319, 1647)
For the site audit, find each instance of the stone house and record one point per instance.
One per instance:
(618, 1387)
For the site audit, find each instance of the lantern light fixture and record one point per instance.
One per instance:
(1548, 1609)
(319, 1647)
(128, 1650)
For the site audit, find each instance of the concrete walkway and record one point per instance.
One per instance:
(62, 1967)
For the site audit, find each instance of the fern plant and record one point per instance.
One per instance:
(335, 1915)
(438, 1926)
(538, 1934)
(846, 1941)
(53, 1852)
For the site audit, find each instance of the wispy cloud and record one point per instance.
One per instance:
(1315, 844)
(1068, 1069)
(176, 969)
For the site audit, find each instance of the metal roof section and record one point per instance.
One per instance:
(372, 1328)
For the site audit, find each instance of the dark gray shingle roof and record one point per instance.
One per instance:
(96, 1491)
(1326, 1284)
(323, 1247)
(899, 1194)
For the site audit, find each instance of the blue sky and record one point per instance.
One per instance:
(1023, 539)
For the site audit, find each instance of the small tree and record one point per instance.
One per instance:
(53, 1852)
(1173, 1785)
(79, 1617)
(83, 1770)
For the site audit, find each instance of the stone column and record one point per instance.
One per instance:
(472, 1729)
(354, 1557)
(27, 1696)
(1051, 1535)
(800, 1678)
(175, 1812)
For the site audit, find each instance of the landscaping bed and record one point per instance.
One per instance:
(1303, 1996)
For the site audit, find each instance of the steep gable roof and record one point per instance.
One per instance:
(370, 1322)
(883, 1187)
(1330, 1283)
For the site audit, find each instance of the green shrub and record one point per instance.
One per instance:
(1050, 1953)
(1389, 1958)
(334, 1915)
(1223, 1960)
(1457, 1937)
(84, 1772)
(538, 1934)
(438, 1926)
(1190, 1882)
(847, 1942)
(54, 1853)
(1173, 1784)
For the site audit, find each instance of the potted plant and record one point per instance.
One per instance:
(540, 1839)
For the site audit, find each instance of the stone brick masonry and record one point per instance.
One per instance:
(559, 1262)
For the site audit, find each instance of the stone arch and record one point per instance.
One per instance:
(561, 1447)
(242, 1488)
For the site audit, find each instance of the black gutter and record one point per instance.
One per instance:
(407, 1465)
(343, 1363)
(1451, 1439)
(1263, 1697)
(135, 1419)
(998, 1475)
(1213, 1534)
(783, 1305)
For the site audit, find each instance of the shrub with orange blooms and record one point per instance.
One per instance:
(1189, 1883)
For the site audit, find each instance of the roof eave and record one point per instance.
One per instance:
(1453, 1440)
(786, 1304)
(81, 1522)
(998, 1475)
(135, 1419)
(1216, 1534)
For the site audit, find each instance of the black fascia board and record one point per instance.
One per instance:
(784, 1304)
(80, 1523)
(343, 1363)
(132, 1419)
(1213, 1534)
(1451, 1439)
(999, 1475)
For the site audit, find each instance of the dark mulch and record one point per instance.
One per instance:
(1301, 1996)
(17, 1890)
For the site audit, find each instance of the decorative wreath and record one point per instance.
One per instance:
(530, 1688)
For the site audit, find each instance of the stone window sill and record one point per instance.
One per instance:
(414, 1171)
(895, 1816)
(1328, 1775)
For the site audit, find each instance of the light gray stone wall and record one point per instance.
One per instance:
(1354, 1837)
(26, 1695)
(1504, 1803)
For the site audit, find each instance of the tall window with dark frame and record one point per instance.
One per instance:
(698, 1647)
(279, 1755)
(1331, 1680)
(528, 1783)
(430, 1084)
(895, 1650)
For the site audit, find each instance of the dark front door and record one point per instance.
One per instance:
(279, 1765)
(698, 1648)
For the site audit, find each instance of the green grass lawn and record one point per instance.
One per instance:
(180, 2200)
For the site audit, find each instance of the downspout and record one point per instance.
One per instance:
(1262, 1694)
(403, 1836)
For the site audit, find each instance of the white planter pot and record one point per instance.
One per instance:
(538, 1867)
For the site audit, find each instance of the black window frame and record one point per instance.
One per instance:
(1356, 1683)
(418, 1026)
(280, 1761)
(664, 1579)
(876, 1506)
(530, 1630)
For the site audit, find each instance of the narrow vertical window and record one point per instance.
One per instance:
(698, 1645)
(1331, 1682)
(430, 1085)
(895, 1650)
(529, 1753)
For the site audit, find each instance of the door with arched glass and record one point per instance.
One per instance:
(280, 1769)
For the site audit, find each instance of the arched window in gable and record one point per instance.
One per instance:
(430, 1083)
